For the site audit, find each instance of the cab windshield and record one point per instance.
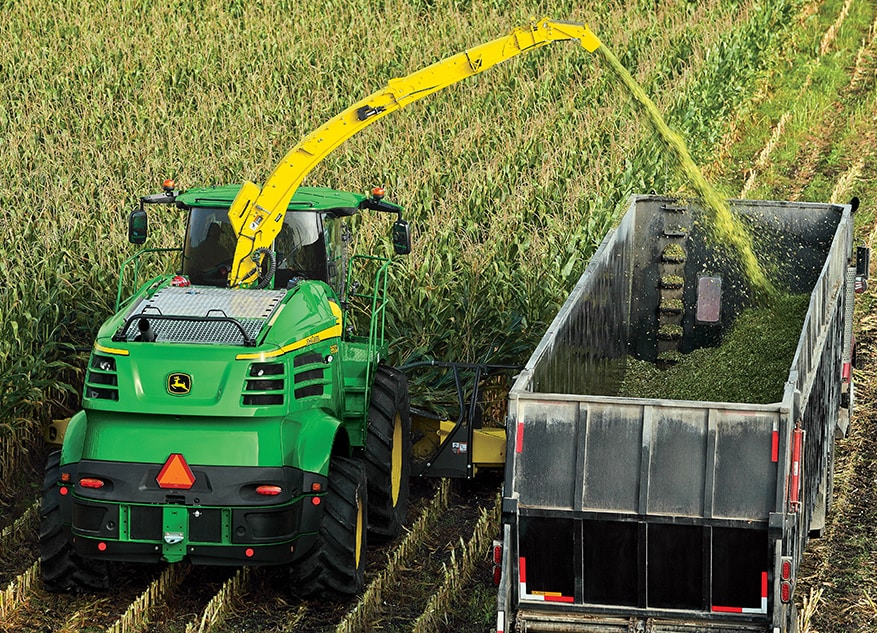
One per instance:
(210, 243)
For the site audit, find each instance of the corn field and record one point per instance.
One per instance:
(510, 179)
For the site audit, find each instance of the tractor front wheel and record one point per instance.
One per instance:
(388, 453)
(62, 569)
(335, 567)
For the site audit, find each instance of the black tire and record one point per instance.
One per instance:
(62, 569)
(388, 453)
(335, 567)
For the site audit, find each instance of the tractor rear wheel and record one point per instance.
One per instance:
(388, 453)
(336, 564)
(62, 569)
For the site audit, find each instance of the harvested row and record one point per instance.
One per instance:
(363, 614)
(459, 572)
(37, 610)
(16, 591)
(401, 577)
(18, 545)
(245, 580)
(173, 594)
(20, 529)
(138, 613)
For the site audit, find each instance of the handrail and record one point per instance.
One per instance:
(136, 259)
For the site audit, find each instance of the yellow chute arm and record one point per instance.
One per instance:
(257, 214)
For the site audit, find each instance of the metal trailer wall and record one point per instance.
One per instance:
(670, 488)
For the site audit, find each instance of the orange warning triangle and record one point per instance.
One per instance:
(175, 473)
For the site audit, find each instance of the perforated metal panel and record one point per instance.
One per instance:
(195, 314)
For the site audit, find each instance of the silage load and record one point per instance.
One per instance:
(750, 365)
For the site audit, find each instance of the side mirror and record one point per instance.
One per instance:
(401, 237)
(137, 226)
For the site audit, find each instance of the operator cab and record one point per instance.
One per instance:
(209, 246)
(312, 243)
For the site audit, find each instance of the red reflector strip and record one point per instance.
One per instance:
(519, 438)
(795, 477)
(775, 446)
(558, 598)
(547, 596)
(845, 372)
(760, 610)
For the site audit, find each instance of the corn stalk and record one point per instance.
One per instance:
(13, 447)
(11, 597)
(215, 611)
(13, 533)
(457, 574)
(808, 610)
(137, 615)
(358, 618)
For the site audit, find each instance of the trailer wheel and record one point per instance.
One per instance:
(388, 453)
(336, 564)
(62, 569)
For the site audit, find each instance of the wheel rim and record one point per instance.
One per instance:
(396, 465)
(357, 552)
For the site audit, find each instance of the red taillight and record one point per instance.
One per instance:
(102, 547)
(786, 569)
(64, 490)
(316, 501)
(249, 552)
(786, 591)
(269, 490)
(91, 482)
(497, 552)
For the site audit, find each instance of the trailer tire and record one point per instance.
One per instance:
(62, 568)
(388, 453)
(335, 566)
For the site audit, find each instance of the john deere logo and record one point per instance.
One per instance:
(179, 384)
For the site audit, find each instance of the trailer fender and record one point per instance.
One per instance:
(309, 440)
